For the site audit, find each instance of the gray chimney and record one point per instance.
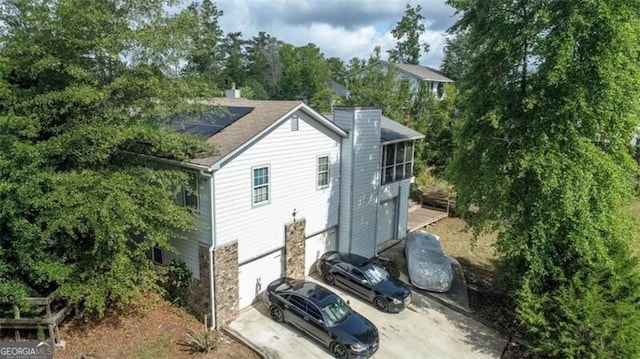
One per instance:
(233, 92)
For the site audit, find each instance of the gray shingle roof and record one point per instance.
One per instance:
(424, 73)
(264, 114)
(390, 131)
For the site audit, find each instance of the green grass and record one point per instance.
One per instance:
(157, 349)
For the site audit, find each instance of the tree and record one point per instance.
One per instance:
(548, 103)
(305, 75)
(234, 70)
(371, 85)
(435, 118)
(457, 52)
(407, 34)
(264, 62)
(337, 70)
(205, 35)
(83, 86)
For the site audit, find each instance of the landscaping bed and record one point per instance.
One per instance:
(486, 300)
(154, 330)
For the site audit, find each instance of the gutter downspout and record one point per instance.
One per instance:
(212, 292)
(352, 149)
(375, 228)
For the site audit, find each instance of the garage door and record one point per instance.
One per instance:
(386, 221)
(316, 245)
(254, 276)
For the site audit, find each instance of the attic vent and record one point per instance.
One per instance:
(294, 123)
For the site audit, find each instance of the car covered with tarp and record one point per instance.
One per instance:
(428, 266)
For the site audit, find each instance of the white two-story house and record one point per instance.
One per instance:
(416, 75)
(285, 185)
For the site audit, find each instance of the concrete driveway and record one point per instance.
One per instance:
(426, 329)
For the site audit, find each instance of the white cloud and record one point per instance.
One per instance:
(339, 28)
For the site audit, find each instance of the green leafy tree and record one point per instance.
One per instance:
(436, 119)
(337, 70)
(372, 85)
(305, 75)
(548, 102)
(457, 52)
(407, 34)
(83, 86)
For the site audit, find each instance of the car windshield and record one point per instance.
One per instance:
(336, 312)
(376, 274)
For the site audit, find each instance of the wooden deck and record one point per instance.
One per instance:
(421, 217)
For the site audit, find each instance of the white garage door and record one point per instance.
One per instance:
(253, 277)
(316, 245)
(386, 221)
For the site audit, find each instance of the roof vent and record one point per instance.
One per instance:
(233, 92)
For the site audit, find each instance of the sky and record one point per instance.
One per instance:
(340, 28)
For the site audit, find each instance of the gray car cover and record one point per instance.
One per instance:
(429, 268)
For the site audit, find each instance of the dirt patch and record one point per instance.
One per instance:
(153, 330)
(486, 299)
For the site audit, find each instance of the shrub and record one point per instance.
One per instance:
(201, 341)
(178, 281)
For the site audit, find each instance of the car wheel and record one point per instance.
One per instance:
(339, 351)
(381, 304)
(276, 314)
(328, 278)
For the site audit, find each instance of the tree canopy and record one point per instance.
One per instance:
(82, 86)
(547, 104)
(407, 34)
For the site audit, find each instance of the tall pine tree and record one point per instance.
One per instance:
(548, 103)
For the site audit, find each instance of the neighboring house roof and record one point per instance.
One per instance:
(249, 118)
(338, 89)
(424, 73)
(390, 131)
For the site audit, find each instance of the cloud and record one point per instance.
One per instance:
(340, 28)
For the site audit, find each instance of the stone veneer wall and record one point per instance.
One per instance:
(295, 249)
(198, 299)
(225, 264)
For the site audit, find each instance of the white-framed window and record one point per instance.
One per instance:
(260, 185)
(156, 255)
(397, 162)
(322, 169)
(188, 194)
(294, 123)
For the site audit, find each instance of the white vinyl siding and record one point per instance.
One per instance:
(316, 245)
(361, 153)
(187, 248)
(323, 172)
(292, 161)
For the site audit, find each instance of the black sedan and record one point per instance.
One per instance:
(364, 278)
(322, 315)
